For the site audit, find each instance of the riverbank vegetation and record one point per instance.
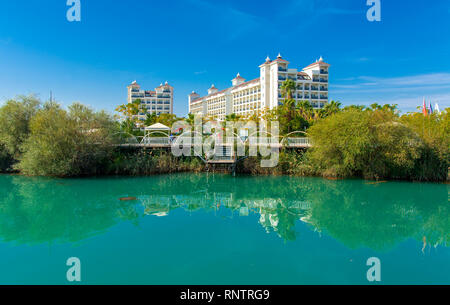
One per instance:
(376, 142)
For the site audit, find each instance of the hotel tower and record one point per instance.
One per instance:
(245, 97)
(158, 101)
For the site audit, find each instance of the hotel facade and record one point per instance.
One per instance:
(158, 101)
(244, 98)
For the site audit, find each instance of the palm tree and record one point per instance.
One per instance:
(232, 117)
(151, 119)
(305, 109)
(287, 88)
(190, 119)
(332, 108)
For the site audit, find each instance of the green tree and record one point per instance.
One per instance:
(434, 130)
(305, 109)
(287, 88)
(65, 143)
(151, 119)
(368, 144)
(15, 117)
(331, 108)
(130, 110)
(167, 119)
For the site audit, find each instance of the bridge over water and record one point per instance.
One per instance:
(166, 142)
(224, 153)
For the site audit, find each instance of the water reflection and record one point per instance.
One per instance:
(357, 213)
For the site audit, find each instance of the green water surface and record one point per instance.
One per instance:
(218, 229)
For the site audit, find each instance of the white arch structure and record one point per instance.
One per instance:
(149, 139)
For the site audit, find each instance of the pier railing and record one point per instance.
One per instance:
(157, 142)
(300, 142)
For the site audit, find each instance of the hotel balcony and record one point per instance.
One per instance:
(281, 78)
(323, 97)
(323, 72)
(323, 80)
(282, 69)
(323, 89)
(314, 88)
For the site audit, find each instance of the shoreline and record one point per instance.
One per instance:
(238, 175)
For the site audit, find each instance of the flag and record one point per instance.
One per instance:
(424, 108)
(436, 107)
(431, 108)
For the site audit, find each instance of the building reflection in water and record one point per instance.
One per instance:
(357, 213)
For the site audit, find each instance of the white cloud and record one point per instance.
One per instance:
(424, 79)
(408, 104)
(406, 91)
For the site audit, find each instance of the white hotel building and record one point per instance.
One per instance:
(246, 97)
(158, 101)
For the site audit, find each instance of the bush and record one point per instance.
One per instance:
(373, 144)
(15, 116)
(434, 130)
(291, 163)
(6, 160)
(151, 162)
(65, 143)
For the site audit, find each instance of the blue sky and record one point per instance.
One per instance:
(194, 43)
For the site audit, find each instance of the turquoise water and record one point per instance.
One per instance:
(218, 229)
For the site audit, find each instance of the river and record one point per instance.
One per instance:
(219, 229)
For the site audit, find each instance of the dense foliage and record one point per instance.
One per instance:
(66, 143)
(15, 116)
(355, 141)
(377, 143)
(142, 162)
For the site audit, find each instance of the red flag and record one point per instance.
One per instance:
(424, 108)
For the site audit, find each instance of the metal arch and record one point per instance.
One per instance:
(266, 132)
(291, 133)
(153, 132)
(297, 131)
(187, 132)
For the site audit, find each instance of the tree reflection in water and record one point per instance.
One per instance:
(357, 213)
